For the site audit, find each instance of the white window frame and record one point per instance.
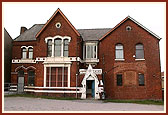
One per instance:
(85, 50)
(56, 65)
(62, 43)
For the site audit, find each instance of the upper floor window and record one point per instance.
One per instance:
(139, 51)
(66, 47)
(24, 53)
(57, 48)
(141, 79)
(119, 52)
(91, 50)
(49, 48)
(30, 53)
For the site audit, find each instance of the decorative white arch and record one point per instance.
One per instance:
(62, 42)
(24, 68)
(56, 37)
(90, 75)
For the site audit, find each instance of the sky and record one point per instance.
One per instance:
(88, 15)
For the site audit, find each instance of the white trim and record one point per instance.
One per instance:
(44, 84)
(24, 67)
(57, 65)
(144, 27)
(51, 91)
(25, 60)
(52, 87)
(62, 43)
(30, 47)
(90, 75)
(119, 59)
(139, 59)
(91, 44)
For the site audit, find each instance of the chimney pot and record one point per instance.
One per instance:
(22, 30)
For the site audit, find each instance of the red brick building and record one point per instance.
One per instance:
(56, 59)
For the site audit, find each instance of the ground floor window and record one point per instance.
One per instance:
(31, 76)
(119, 79)
(141, 79)
(57, 76)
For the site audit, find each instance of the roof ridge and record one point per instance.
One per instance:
(94, 29)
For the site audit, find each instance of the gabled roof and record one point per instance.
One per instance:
(29, 35)
(136, 22)
(93, 34)
(58, 10)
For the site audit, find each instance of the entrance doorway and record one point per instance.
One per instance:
(20, 87)
(90, 88)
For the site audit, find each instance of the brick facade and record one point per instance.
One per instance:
(129, 68)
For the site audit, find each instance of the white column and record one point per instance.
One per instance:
(62, 48)
(69, 75)
(52, 48)
(44, 85)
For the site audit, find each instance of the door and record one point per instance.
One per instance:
(93, 88)
(20, 87)
(90, 88)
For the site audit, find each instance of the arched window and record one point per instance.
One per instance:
(66, 47)
(139, 51)
(119, 53)
(30, 53)
(31, 76)
(24, 53)
(57, 47)
(49, 50)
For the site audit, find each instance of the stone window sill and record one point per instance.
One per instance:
(119, 59)
(139, 59)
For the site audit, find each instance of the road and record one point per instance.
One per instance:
(38, 104)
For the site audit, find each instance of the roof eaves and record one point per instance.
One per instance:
(58, 10)
(113, 29)
(144, 27)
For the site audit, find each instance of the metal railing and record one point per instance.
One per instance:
(10, 88)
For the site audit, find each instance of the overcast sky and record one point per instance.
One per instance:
(88, 15)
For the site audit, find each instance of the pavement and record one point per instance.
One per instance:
(39, 104)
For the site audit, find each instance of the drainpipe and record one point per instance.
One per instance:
(76, 85)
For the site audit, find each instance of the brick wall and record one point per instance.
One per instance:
(150, 67)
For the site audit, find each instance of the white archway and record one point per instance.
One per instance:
(90, 75)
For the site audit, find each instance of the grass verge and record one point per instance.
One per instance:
(44, 97)
(152, 102)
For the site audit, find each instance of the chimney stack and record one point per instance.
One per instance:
(22, 29)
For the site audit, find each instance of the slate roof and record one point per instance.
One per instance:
(93, 34)
(87, 34)
(29, 35)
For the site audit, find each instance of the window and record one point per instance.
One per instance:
(30, 53)
(119, 51)
(49, 48)
(66, 47)
(128, 28)
(24, 53)
(141, 79)
(58, 25)
(139, 51)
(119, 79)
(31, 76)
(57, 48)
(91, 51)
(57, 77)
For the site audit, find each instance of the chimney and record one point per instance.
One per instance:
(22, 29)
